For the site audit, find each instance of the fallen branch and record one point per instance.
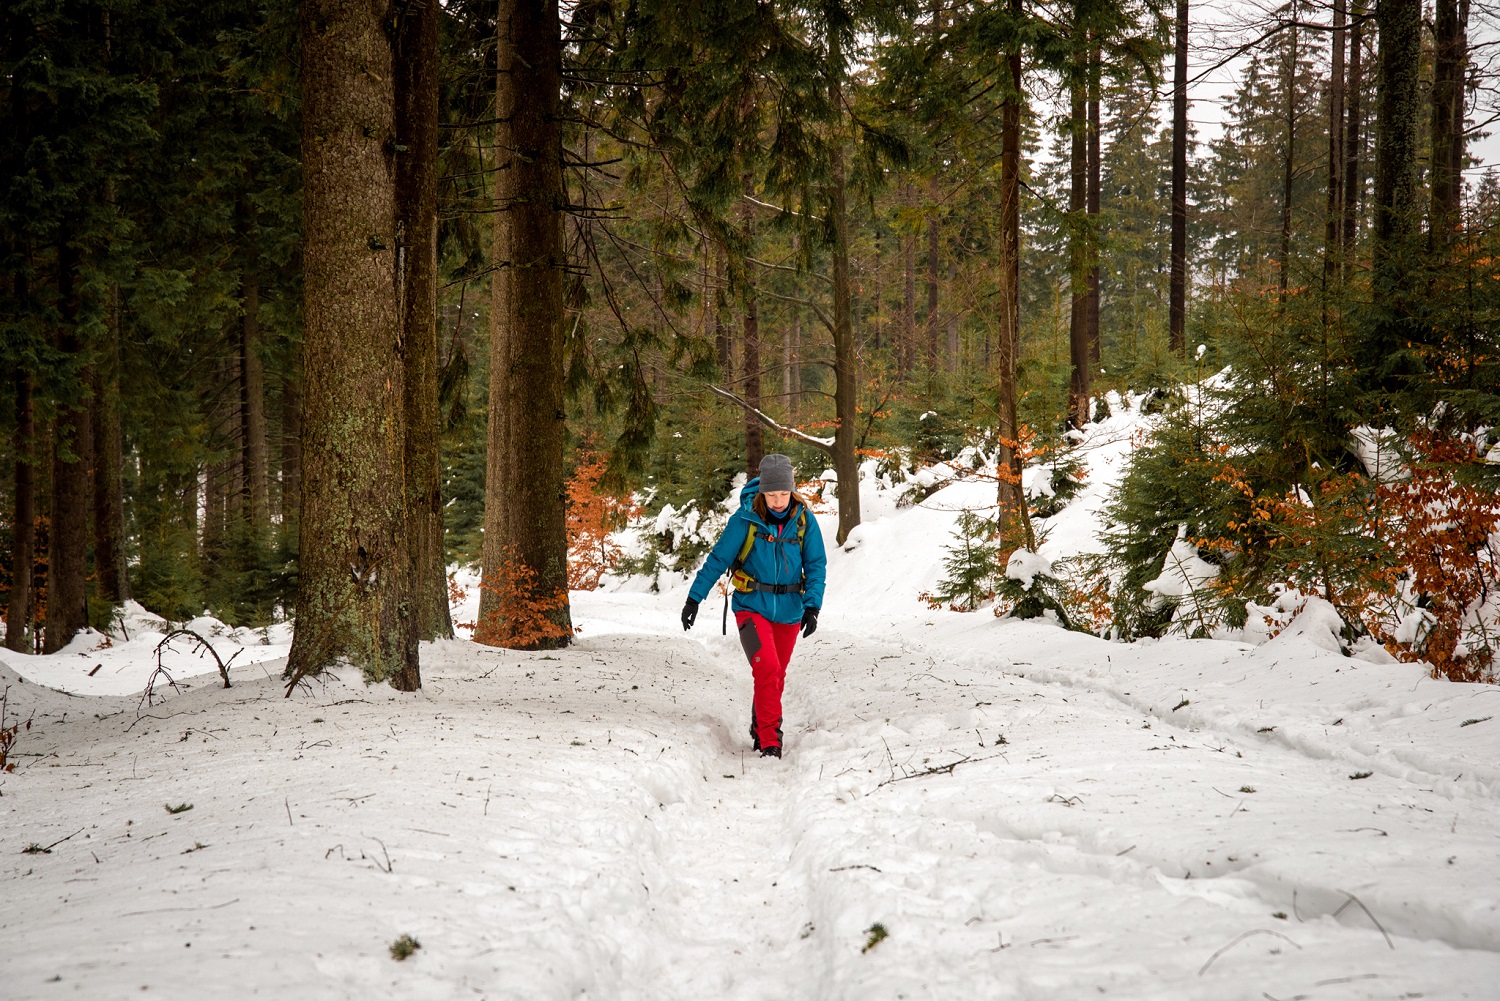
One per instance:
(202, 644)
(1355, 900)
(1240, 938)
(939, 769)
(36, 849)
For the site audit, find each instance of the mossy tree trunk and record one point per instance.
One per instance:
(416, 198)
(525, 519)
(354, 570)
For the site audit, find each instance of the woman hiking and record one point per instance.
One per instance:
(774, 553)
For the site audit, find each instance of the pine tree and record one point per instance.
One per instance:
(354, 570)
(525, 522)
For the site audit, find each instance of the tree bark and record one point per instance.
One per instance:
(291, 454)
(1397, 126)
(1013, 518)
(18, 615)
(254, 481)
(111, 583)
(722, 348)
(845, 357)
(67, 537)
(1091, 279)
(1177, 294)
(907, 331)
(1450, 55)
(416, 203)
(1353, 140)
(525, 536)
(1078, 330)
(354, 598)
(1288, 162)
(750, 344)
(794, 370)
(1333, 249)
(934, 243)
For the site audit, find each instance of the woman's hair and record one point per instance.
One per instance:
(764, 510)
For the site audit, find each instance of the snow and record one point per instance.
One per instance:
(1376, 451)
(1025, 566)
(1029, 812)
(1182, 584)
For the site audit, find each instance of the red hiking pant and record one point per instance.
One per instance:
(768, 645)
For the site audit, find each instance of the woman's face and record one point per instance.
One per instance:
(777, 500)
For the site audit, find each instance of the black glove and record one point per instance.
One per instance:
(809, 621)
(689, 614)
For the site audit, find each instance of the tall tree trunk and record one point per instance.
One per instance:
(416, 204)
(1289, 84)
(750, 358)
(907, 332)
(1333, 250)
(354, 597)
(1091, 279)
(1353, 139)
(1397, 126)
(750, 345)
(1013, 517)
(1450, 54)
(845, 355)
(254, 481)
(525, 531)
(67, 537)
(291, 454)
(1177, 294)
(722, 348)
(934, 243)
(1078, 329)
(111, 583)
(794, 369)
(23, 544)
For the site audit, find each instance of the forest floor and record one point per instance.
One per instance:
(970, 807)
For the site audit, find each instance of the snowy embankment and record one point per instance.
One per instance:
(1026, 812)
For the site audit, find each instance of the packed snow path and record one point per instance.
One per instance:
(592, 824)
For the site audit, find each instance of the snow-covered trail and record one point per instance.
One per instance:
(592, 824)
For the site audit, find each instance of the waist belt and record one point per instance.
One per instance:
(756, 585)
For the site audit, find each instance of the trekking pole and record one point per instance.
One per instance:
(725, 623)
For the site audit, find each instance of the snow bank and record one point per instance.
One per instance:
(121, 661)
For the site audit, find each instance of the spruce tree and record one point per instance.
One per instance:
(524, 600)
(354, 570)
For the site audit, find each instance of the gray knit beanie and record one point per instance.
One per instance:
(776, 473)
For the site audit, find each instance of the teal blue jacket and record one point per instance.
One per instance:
(778, 562)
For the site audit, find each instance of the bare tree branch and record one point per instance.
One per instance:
(822, 444)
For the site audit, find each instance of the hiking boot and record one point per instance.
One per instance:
(770, 752)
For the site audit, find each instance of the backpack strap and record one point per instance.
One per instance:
(743, 582)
